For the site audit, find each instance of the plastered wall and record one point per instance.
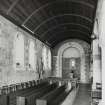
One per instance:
(8, 72)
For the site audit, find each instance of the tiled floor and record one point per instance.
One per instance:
(83, 96)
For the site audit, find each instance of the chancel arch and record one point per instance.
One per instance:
(71, 63)
(81, 48)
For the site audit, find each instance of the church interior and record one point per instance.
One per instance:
(52, 52)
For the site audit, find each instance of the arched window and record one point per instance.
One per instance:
(19, 50)
(73, 62)
(44, 57)
(32, 55)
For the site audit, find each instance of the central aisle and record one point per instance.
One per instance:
(83, 96)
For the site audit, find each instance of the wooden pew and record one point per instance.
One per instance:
(3, 100)
(8, 97)
(30, 98)
(48, 98)
(12, 96)
(3, 96)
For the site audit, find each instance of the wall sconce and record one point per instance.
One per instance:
(93, 36)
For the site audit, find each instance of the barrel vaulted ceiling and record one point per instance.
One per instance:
(52, 21)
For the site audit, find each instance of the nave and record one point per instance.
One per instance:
(52, 52)
(49, 91)
(42, 92)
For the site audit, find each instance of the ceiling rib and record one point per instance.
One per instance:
(53, 17)
(48, 4)
(12, 6)
(54, 27)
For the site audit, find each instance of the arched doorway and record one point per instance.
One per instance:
(71, 63)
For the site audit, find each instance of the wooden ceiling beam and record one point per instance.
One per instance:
(53, 17)
(48, 4)
(12, 6)
(64, 24)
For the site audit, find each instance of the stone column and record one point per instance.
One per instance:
(96, 63)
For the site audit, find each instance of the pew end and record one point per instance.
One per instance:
(41, 102)
(20, 100)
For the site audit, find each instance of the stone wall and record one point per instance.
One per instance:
(8, 71)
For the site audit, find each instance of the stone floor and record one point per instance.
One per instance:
(83, 96)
